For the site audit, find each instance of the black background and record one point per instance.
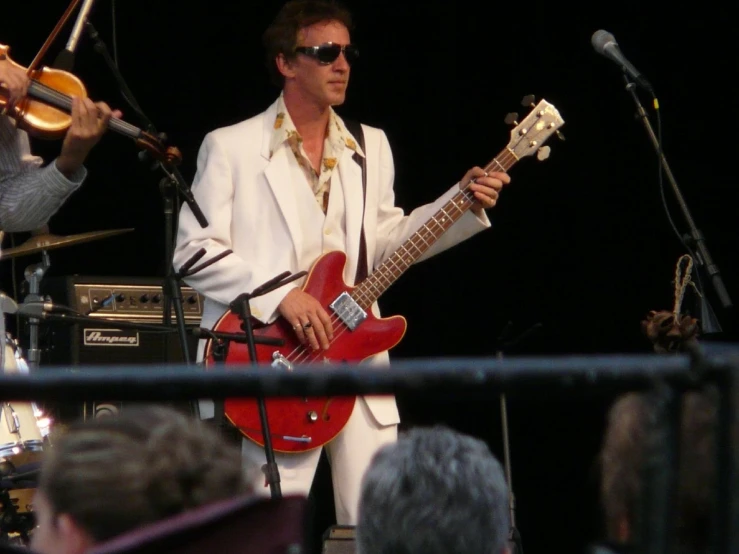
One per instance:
(581, 243)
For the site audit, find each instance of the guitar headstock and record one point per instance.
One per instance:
(528, 136)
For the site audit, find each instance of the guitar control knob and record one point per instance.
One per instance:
(312, 416)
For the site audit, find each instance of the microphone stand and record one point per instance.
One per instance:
(240, 306)
(173, 295)
(514, 536)
(695, 238)
(34, 274)
(169, 168)
(170, 186)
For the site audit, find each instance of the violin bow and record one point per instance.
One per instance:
(51, 37)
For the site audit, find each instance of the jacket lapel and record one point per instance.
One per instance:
(281, 171)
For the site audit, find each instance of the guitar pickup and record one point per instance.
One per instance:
(348, 310)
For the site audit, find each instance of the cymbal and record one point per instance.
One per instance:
(48, 241)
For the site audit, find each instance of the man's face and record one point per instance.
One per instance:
(316, 82)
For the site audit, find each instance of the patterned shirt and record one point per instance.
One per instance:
(337, 138)
(29, 194)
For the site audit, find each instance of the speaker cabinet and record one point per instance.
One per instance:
(128, 300)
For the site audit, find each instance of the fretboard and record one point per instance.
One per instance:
(370, 289)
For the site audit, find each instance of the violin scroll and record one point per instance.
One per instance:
(155, 147)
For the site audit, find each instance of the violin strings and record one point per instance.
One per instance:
(61, 100)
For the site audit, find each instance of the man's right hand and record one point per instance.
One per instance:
(309, 320)
(14, 80)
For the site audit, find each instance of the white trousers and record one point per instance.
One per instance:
(349, 455)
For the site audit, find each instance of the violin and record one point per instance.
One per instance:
(45, 110)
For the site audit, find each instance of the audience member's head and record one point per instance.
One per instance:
(109, 475)
(434, 491)
(631, 420)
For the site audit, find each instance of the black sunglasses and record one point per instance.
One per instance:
(329, 52)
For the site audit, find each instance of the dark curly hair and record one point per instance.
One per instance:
(281, 37)
(115, 473)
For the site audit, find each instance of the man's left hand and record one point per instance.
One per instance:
(485, 187)
(89, 123)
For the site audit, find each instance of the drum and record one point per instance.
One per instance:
(21, 437)
(18, 517)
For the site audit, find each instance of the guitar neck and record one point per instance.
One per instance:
(371, 288)
(39, 91)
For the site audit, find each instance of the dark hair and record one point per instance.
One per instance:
(631, 420)
(115, 473)
(281, 37)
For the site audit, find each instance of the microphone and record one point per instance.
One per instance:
(65, 59)
(606, 45)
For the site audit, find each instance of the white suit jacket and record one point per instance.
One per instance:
(241, 192)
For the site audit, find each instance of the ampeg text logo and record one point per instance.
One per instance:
(110, 337)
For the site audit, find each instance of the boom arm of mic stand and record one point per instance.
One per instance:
(276, 283)
(169, 169)
(151, 328)
(695, 233)
(69, 318)
(186, 272)
(179, 181)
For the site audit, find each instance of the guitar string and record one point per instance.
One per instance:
(309, 354)
(302, 354)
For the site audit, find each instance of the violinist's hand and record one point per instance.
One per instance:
(13, 79)
(89, 122)
(309, 320)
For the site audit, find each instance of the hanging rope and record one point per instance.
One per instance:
(670, 331)
(681, 283)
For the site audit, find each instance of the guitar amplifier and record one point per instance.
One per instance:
(126, 299)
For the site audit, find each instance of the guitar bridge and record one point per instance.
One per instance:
(348, 310)
(280, 361)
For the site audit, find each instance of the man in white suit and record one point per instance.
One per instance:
(282, 188)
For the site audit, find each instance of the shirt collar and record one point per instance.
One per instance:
(284, 128)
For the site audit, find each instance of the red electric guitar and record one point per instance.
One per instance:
(302, 424)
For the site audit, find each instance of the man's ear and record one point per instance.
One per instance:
(285, 66)
(75, 540)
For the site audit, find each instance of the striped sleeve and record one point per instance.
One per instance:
(29, 193)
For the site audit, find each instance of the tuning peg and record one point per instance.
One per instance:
(560, 136)
(511, 119)
(528, 101)
(543, 153)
